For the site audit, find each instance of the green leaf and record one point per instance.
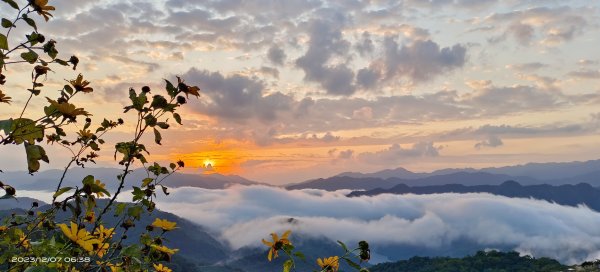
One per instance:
(30, 21)
(135, 211)
(162, 125)
(53, 52)
(300, 255)
(171, 90)
(6, 23)
(35, 153)
(137, 101)
(30, 56)
(5, 126)
(150, 120)
(94, 146)
(177, 118)
(146, 181)
(287, 265)
(69, 90)
(61, 191)
(97, 189)
(138, 194)
(33, 38)
(23, 129)
(61, 62)
(159, 102)
(351, 263)
(157, 136)
(343, 245)
(120, 208)
(11, 3)
(3, 42)
(88, 180)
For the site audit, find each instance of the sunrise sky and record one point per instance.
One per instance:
(292, 90)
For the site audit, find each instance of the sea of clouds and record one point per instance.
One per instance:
(243, 215)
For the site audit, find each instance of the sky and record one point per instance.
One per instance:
(292, 90)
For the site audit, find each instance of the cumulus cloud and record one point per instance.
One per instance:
(492, 132)
(326, 42)
(397, 153)
(548, 26)
(245, 215)
(494, 100)
(276, 55)
(421, 60)
(236, 97)
(491, 141)
(586, 74)
(346, 154)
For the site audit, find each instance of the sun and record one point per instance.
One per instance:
(209, 164)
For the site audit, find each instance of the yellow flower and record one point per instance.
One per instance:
(161, 268)
(90, 216)
(101, 249)
(164, 249)
(67, 110)
(103, 233)
(330, 264)
(101, 185)
(24, 241)
(85, 134)
(277, 244)
(3, 228)
(42, 8)
(164, 224)
(4, 98)
(113, 267)
(81, 85)
(80, 236)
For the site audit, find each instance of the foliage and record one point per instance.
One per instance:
(491, 261)
(327, 264)
(39, 240)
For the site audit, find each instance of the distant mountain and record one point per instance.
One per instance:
(18, 203)
(482, 261)
(385, 174)
(339, 183)
(47, 180)
(570, 195)
(548, 171)
(466, 178)
(553, 172)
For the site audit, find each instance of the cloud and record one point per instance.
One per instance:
(585, 74)
(495, 100)
(326, 42)
(245, 215)
(346, 154)
(421, 60)
(527, 67)
(548, 26)
(276, 55)
(491, 141)
(492, 133)
(236, 97)
(396, 153)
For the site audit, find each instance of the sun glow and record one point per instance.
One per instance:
(209, 164)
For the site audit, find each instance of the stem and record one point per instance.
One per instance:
(26, 104)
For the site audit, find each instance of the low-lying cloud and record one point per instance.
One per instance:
(245, 215)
